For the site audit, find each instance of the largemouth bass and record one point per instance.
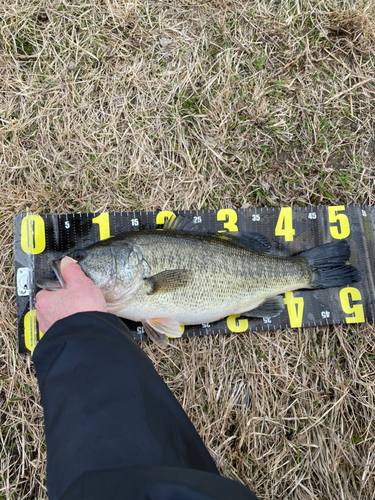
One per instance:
(172, 277)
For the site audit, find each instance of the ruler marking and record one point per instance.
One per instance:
(75, 231)
(62, 240)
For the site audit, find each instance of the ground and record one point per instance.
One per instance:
(187, 104)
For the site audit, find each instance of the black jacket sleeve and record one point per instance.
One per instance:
(113, 428)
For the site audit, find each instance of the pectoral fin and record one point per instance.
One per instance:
(168, 281)
(159, 329)
(269, 309)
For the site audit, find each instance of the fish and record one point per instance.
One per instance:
(174, 276)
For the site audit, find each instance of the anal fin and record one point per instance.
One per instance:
(158, 338)
(159, 329)
(269, 309)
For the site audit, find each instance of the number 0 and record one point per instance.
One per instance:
(33, 225)
(29, 328)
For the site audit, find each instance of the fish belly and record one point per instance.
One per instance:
(189, 307)
(186, 316)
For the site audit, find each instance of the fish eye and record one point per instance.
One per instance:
(78, 255)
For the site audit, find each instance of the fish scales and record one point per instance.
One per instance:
(223, 276)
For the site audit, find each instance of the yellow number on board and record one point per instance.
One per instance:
(230, 217)
(104, 229)
(236, 325)
(164, 214)
(295, 309)
(347, 296)
(284, 226)
(29, 327)
(33, 225)
(342, 230)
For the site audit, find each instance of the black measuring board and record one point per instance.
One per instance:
(41, 238)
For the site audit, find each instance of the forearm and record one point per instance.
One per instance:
(104, 404)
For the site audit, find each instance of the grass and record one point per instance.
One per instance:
(148, 105)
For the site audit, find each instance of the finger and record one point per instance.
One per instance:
(40, 296)
(66, 261)
(71, 272)
(41, 300)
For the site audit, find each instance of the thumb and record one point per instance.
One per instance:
(69, 270)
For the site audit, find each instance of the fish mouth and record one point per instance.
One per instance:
(56, 266)
(52, 285)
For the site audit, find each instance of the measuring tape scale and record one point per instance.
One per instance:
(41, 238)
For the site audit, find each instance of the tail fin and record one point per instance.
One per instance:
(329, 265)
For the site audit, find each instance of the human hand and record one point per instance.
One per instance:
(80, 295)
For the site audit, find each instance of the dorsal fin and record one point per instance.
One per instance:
(181, 223)
(256, 242)
(253, 241)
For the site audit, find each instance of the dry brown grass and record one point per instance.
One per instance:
(188, 104)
